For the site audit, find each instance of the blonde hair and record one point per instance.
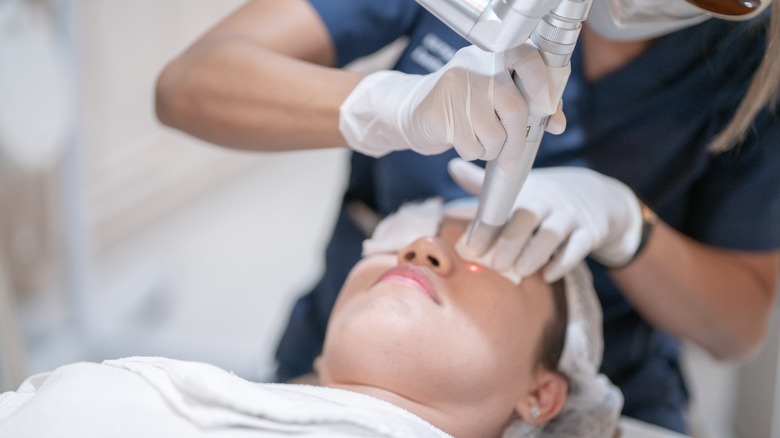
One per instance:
(763, 92)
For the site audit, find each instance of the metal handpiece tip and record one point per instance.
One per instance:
(472, 229)
(480, 237)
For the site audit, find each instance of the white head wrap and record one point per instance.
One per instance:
(592, 408)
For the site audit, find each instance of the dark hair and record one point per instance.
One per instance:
(554, 334)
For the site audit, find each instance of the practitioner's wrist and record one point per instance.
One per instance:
(649, 220)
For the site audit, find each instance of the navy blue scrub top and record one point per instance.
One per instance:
(647, 124)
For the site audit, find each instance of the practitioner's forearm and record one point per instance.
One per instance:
(717, 298)
(260, 80)
(235, 93)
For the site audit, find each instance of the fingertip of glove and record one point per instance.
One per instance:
(466, 251)
(556, 124)
(453, 166)
(454, 162)
(522, 268)
(502, 255)
(459, 167)
(552, 274)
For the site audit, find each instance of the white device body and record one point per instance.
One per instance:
(493, 25)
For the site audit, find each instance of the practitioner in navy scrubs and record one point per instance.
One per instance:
(655, 109)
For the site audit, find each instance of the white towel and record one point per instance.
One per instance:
(138, 397)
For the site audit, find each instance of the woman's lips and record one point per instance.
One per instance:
(414, 277)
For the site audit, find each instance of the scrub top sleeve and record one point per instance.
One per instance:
(361, 27)
(737, 203)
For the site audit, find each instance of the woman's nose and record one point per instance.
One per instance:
(427, 252)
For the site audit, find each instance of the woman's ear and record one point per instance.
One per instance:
(319, 367)
(545, 399)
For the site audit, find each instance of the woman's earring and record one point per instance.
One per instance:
(533, 411)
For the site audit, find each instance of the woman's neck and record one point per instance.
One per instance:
(601, 57)
(454, 421)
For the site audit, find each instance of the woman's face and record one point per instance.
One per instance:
(432, 327)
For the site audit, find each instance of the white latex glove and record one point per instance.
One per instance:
(470, 104)
(561, 215)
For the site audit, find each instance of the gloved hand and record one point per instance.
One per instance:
(561, 215)
(470, 104)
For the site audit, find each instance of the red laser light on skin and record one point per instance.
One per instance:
(473, 268)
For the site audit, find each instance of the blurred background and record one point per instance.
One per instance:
(120, 237)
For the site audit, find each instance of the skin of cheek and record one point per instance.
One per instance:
(533, 306)
(510, 319)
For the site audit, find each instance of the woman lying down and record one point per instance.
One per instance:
(421, 343)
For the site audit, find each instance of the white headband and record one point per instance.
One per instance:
(592, 408)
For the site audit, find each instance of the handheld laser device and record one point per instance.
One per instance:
(553, 27)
